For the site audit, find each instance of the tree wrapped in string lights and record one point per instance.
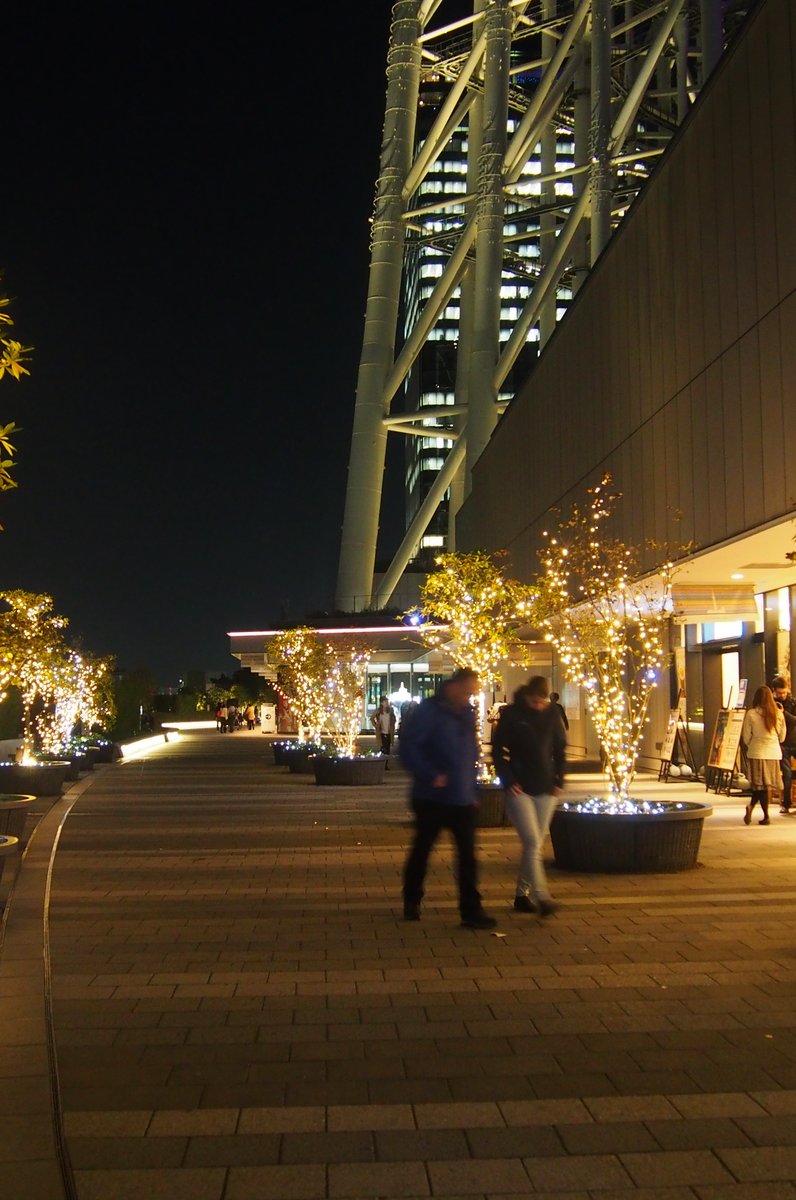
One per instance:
(608, 625)
(302, 662)
(81, 699)
(33, 654)
(347, 667)
(482, 609)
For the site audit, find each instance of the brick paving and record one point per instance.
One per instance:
(239, 1012)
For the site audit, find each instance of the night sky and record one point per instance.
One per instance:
(186, 196)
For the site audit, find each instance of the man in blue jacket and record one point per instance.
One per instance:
(440, 749)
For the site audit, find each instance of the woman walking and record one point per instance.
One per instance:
(762, 734)
(528, 752)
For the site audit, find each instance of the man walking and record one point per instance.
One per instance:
(440, 749)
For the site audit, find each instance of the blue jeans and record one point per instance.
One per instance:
(531, 817)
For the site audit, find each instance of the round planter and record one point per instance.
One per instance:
(38, 779)
(13, 814)
(299, 758)
(107, 752)
(8, 846)
(634, 843)
(491, 812)
(73, 770)
(91, 756)
(280, 752)
(348, 772)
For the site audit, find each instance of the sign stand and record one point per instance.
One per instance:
(676, 749)
(724, 747)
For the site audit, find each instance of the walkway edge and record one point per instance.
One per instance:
(25, 975)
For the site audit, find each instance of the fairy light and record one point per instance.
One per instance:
(323, 682)
(609, 629)
(300, 658)
(482, 608)
(59, 687)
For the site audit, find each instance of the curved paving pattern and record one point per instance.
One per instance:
(239, 1013)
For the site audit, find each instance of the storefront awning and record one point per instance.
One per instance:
(701, 602)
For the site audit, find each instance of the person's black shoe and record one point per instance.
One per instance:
(481, 921)
(411, 912)
(547, 908)
(524, 904)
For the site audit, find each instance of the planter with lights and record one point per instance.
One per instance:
(631, 836)
(339, 770)
(13, 814)
(34, 779)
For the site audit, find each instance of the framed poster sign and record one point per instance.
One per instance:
(667, 749)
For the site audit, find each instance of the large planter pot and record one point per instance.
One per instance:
(279, 751)
(38, 779)
(8, 847)
(348, 772)
(635, 843)
(491, 812)
(73, 769)
(299, 758)
(13, 814)
(107, 752)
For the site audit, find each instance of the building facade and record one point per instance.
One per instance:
(675, 370)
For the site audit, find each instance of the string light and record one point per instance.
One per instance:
(608, 627)
(59, 687)
(324, 684)
(482, 608)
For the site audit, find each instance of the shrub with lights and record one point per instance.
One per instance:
(610, 629)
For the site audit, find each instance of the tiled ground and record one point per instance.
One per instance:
(239, 1012)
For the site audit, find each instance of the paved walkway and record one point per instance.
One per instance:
(238, 1013)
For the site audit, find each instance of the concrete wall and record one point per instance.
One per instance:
(676, 366)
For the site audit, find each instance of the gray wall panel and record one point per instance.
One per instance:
(682, 422)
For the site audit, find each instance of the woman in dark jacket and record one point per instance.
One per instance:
(528, 752)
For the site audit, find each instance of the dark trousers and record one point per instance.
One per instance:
(431, 818)
(787, 777)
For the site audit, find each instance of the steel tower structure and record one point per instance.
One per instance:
(509, 78)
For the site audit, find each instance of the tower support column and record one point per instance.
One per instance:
(369, 436)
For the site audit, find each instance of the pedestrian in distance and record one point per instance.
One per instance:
(223, 718)
(528, 750)
(762, 735)
(555, 702)
(784, 700)
(440, 749)
(383, 721)
(249, 715)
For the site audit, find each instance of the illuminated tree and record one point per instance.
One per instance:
(483, 611)
(12, 356)
(302, 663)
(347, 666)
(33, 653)
(608, 626)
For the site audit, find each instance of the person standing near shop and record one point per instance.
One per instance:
(762, 735)
(528, 748)
(440, 749)
(384, 723)
(784, 700)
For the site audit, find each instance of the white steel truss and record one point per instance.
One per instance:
(514, 80)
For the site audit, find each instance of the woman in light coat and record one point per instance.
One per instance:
(762, 735)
